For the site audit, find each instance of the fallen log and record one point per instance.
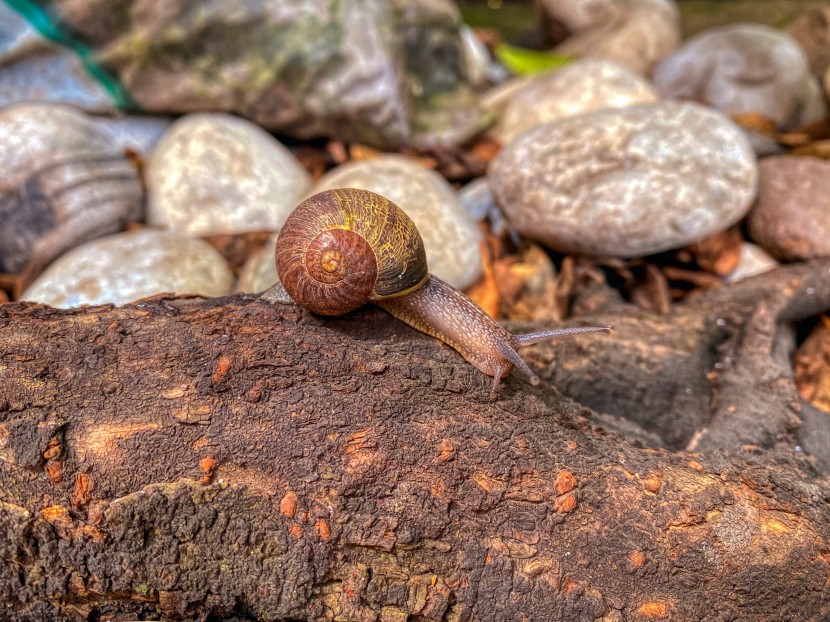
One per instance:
(186, 458)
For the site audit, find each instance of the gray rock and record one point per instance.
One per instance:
(496, 98)
(137, 133)
(33, 69)
(480, 67)
(580, 87)
(62, 183)
(744, 68)
(451, 237)
(359, 72)
(791, 218)
(753, 260)
(811, 30)
(626, 182)
(477, 198)
(214, 173)
(636, 34)
(129, 266)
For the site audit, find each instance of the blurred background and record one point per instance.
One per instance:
(660, 147)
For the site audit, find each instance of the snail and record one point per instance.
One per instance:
(342, 248)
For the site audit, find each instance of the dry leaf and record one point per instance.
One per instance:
(337, 151)
(812, 366)
(565, 287)
(818, 149)
(236, 248)
(527, 284)
(719, 253)
(363, 152)
(654, 293)
(755, 121)
(485, 293)
(698, 278)
(316, 161)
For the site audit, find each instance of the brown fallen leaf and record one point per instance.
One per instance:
(486, 292)
(528, 285)
(719, 253)
(817, 149)
(697, 278)
(755, 121)
(812, 366)
(653, 294)
(565, 285)
(314, 159)
(338, 152)
(236, 248)
(363, 152)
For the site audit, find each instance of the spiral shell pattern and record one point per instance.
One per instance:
(341, 248)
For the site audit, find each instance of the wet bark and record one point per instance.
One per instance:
(184, 458)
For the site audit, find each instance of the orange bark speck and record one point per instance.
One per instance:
(654, 609)
(288, 504)
(652, 483)
(565, 482)
(223, 366)
(323, 529)
(565, 503)
(636, 559)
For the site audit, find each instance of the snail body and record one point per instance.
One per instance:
(341, 248)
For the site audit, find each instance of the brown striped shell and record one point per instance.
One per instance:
(341, 248)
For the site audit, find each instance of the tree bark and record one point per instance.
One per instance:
(189, 458)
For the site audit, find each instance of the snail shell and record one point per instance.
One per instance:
(341, 248)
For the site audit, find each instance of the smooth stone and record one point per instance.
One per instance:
(744, 68)
(259, 272)
(791, 218)
(811, 30)
(582, 86)
(134, 132)
(477, 59)
(753, 260)
(477, 198)
(451, 236)
(212, 173)
(33, 69)
(495, 99)
(129, 266)
(366, 72)
(626, 182)
(636, 34)
(63, 183)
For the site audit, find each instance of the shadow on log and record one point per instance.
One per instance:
(184, 458)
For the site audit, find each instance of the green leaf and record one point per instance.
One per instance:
(524, 62)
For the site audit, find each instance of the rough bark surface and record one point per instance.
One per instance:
(184, 458)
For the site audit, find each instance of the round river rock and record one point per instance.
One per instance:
(744, 68)
(791, 218)
(128, 266)
(214, 173)
(451, 236)
(626, 182)
(580, 87)
(62, 182)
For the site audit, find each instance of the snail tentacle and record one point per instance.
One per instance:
(556, 333)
